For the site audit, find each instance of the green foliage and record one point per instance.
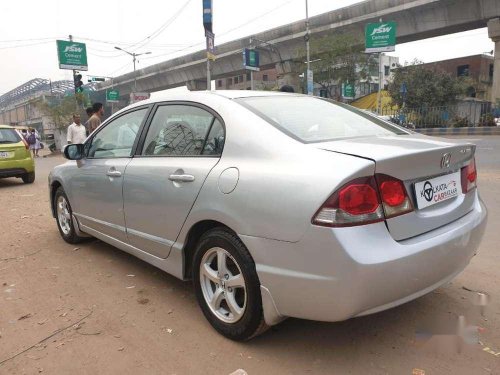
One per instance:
(60, 110)
(459, 122)
(487, 119)
(336, 59)
(426, 87)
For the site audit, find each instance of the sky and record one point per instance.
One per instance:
(29, 29)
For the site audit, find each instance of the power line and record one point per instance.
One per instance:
(162, 28)
(26, 45)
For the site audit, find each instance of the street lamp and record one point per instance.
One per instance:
(134, 55)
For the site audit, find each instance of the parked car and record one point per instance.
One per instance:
(15, 156)
(275, 205)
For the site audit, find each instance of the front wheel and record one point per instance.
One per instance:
(64, 218)
(227, 286)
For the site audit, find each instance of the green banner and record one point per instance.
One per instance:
(72, 55)
(380, 37)
(348, 91)
(112, 96)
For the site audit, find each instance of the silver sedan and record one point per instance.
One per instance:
(275, 205)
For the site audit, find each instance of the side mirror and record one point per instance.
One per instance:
(73, 151)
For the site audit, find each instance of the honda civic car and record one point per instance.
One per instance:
(15, 156)
(275, 205)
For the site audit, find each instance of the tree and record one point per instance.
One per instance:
(425, 87)
(336, 59)
(60, 110)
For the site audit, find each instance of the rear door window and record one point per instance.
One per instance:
(183, 130)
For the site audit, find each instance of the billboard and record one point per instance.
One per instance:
(380, 37)
(72, 55)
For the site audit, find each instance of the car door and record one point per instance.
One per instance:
(96, 185)
(181, 146)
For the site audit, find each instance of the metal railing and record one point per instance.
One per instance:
(464, 114)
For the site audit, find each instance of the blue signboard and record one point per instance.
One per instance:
(207, 15)
(251, 59)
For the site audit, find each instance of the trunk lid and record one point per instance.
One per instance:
(415, 159)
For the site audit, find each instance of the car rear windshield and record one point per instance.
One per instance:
(9, 136)
(312, 120)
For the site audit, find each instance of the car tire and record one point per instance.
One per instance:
(64, 216)
(28, 178)
(236, 308)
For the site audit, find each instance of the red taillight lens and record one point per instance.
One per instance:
(469, 177)
(363, 201)
(355, 203)
(392, 193)
(395, 200)
(358, 199)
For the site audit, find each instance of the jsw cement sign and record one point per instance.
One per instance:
(72, 55)
(380, 37)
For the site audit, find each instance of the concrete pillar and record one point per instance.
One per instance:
(196, 85)
(288, 74)
(494, 34)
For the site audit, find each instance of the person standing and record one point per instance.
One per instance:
(96, 119)
(76, 131)
(25, 134)
(90, 112)
(34, 142)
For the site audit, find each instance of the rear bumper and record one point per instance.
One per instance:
(16, 168)
(336, 274)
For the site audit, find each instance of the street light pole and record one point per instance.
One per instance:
(308, 57)
(134, 57)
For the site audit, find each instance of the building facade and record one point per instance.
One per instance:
(479, 68)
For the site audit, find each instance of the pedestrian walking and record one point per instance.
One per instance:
(34, 142)
(96, 118)
(76, 131)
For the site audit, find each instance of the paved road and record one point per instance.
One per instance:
(144, 321)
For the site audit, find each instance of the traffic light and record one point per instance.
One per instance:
(77, 78)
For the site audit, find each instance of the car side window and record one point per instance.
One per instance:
(116, 139)
(215, 140)
(178, 130)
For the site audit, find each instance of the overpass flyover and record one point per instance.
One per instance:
(416, 19)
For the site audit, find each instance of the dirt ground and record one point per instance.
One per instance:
(92, 309)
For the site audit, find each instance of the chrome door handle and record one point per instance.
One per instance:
(181, 177)
(113, 173)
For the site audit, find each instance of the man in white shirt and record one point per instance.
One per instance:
(76, 131)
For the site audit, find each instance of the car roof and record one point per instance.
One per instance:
(198, 95)
(6, 127)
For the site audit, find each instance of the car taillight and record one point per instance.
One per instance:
(363, 201)
(469, 177)
(355, 203)
(395, 200)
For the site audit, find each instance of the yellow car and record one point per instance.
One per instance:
(15, 156)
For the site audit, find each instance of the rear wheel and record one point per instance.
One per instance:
(28, 178)
(227, 286)
(64, 216)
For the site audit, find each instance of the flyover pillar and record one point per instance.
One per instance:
(197, 85)
(494, 34)
(288, 74)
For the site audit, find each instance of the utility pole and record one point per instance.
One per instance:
(134, 58)
(308, 57)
